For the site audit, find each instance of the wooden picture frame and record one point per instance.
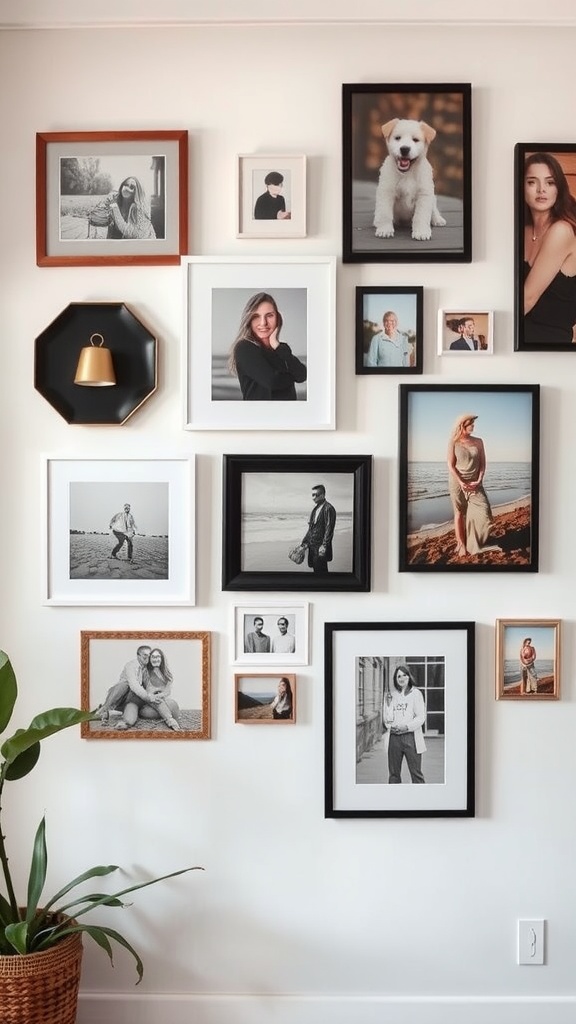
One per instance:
(482, 515)
(90, 212)
(176, 686)
(267, 513)
(528, 659)
(92, 558)
(401, 142)
(271, 195)
(219, 291)
(399, 719)
(389, 330)
(462, 333)
(545, 209)
(262, 698)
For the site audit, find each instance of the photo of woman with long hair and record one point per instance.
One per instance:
(266, 368)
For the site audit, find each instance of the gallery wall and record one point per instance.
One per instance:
(295, 917)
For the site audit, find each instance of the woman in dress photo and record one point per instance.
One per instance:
(266, 369)
(125, 212)
(549, 253)
(403, 715)
(467, 466)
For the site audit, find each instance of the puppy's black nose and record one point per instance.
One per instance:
(405, 150)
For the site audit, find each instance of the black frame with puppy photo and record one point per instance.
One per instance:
(407, 173)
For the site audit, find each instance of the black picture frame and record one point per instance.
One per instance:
(445, 111)
(509, 433)
(548, 324)
(264, 519)
(373, 304)
(362, 761)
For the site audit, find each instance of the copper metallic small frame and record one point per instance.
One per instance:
(254, 695)
(528, 659)
(103, 658)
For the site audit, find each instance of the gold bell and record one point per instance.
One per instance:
(95, 367)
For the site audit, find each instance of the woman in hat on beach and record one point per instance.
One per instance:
(467, 466)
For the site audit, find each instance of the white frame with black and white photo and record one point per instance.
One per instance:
(360, 660)
(264, 519)
(244, 616)
(80, 498)
(217, 289)
(252, 170)
(103, 656)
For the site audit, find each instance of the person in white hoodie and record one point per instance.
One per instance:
(404, 714)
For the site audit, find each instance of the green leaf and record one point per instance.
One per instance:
(8, 690)
(134, 888)
(42, 726)
(38, 869)
(96, 872)
(23, 764)
(5, 912)
(100, 935)
(17, 935)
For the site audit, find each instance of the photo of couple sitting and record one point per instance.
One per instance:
(142, 691)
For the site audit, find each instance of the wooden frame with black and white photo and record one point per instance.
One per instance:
(399, 719)
(469, 477)
(297, 522)
(146, 685)
(407, 173)
(115, 198)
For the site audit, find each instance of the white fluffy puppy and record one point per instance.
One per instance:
(405, 192)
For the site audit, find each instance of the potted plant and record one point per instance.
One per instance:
(41, 940)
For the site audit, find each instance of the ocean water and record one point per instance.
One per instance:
(285, 527)
(429, 498)
(267, 537)
(544, 667)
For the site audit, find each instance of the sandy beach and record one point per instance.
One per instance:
(511, 532)
(545, 688)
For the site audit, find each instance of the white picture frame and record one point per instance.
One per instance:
(297, 616)
(81, 496)
(450, 335)
(217, 290)
(257, 203)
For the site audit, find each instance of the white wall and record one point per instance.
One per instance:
(293, 911)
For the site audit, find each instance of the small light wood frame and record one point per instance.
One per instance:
(254, 696)
(528, 659)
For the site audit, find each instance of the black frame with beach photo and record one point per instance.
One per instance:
(516, 681)
(446, 108)
(407, 304)
(259, 503)
(500, 533)
(361, 662)
(253, 695)
(103, 655)
(547, 314)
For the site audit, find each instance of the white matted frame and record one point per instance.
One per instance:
(217, 290)
(455, 327)
(362, 660)
(81, 498)
(274, 643)
(271, 208)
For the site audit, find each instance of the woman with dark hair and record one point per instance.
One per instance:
(404, 714)
(282, 705)
(265, 367)
(549, 253)
(157, 683)
(126, 212)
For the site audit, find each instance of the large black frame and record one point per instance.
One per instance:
(548, 326)
(362, 293)
(427, 540)
(446, 108)
(359, 663)
(234, 577)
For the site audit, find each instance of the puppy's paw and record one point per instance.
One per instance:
(438, 221)
(385, 231)
(422, 232)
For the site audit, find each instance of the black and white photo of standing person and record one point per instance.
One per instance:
(284, 642)
(276, 516)
(123, 526)
(318, 537)
(257, 642)
(259, 344)
(119, 530)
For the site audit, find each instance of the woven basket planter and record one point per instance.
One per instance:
(42, 988)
